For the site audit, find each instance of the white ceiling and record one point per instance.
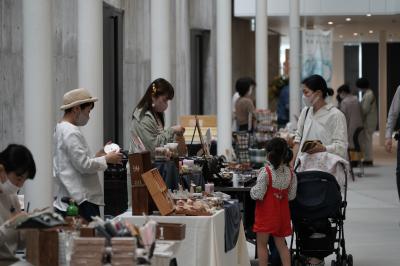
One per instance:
(345, 30)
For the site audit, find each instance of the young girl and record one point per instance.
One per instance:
(276, 185)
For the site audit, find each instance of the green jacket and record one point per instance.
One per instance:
(148, 130)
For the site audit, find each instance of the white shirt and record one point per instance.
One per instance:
(10, 238)
(282, 178)
(235, 97)
(74, 168)
(328, 125)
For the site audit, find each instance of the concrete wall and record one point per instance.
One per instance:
(65, 76)
(185, 15)
(243, 51)
(202, 16)
(337, 65)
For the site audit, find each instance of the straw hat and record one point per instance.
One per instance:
(77, 97)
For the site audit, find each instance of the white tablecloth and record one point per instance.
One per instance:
(204, 243)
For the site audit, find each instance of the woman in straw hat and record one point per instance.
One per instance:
(74, 167)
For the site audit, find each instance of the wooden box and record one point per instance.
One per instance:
(42, 246)
(158, 191)
(171, 231)
(139, 163)
(141, 199)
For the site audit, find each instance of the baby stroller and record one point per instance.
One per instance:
(317, 213)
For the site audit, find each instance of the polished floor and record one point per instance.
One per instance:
(372, 227)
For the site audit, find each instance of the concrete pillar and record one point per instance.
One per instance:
(90, 66)
(337, 65)
(38, 77)
(182, 58)
(382, 85)
(294, 63)
(261, 54)
(160, 44)
(224, 75)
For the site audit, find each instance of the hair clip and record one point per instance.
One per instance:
(154, 89)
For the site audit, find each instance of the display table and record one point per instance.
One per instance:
(204, 242)
(242, 193)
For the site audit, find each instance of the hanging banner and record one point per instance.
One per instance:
(317, 54)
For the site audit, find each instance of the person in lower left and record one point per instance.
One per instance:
(16, 166)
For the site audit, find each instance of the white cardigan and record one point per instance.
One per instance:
(328, 125)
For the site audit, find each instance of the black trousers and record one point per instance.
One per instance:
(86, 210)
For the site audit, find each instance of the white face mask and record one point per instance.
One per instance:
(309, 101)
(306, 101)
(8, 187)
(82, 119)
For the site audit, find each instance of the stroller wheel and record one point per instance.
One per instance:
(350, 260)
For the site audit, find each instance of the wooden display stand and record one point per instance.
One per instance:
(141, 200)
(158, 191)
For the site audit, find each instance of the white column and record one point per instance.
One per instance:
(224, 75)
(382, 86)
(37, 45)
(90, 66)
(160, 45)
(261, 54)
(294, 61)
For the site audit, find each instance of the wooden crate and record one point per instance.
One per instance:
(42, 246)
(158, 191)
(141, 199)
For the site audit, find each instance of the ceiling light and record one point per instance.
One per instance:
(330, 22)
(355, 34)
(371, 31)
(369, 14)
(340, 36)
(348, 19)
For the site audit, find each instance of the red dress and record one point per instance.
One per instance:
(272, 213)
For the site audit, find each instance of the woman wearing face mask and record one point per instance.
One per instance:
(320, 121)
(244, 106)
(324, 122)
(148, 119)
(74, 167)
(16, 166)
